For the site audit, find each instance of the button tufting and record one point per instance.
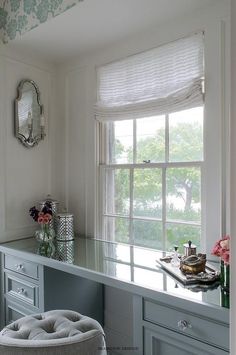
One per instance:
(38, 316)
(57, 329)
(49, 330)
(75, 320)
(53, 324)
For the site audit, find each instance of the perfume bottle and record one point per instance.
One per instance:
(175, 258)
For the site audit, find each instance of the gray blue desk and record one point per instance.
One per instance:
(167, 316)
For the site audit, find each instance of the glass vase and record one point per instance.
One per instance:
(45, 237)
(224, 275)
(225, 299)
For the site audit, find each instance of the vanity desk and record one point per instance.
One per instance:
(168, 318)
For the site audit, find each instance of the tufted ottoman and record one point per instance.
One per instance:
(56, 332)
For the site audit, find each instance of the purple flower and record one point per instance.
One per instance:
(34, 213)
(47, 208)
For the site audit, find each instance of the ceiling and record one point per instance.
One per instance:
(95, 24)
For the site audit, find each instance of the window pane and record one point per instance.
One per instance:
(183, 190)
(120, 147)
(186, 135)
(117, 191)
(147, 193)
(178, 234)
(151, 139)
(147, 233)
(116, 229)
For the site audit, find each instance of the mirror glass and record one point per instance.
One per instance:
(29, 121)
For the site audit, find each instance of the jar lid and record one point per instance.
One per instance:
(190, 245)
(65, 215)
(49, 199)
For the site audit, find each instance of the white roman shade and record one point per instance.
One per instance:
(161, 80)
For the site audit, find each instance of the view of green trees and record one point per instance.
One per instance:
(183, 188)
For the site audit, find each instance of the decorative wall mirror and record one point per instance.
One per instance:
(29, 119)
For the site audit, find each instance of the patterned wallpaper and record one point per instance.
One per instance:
(20, 16)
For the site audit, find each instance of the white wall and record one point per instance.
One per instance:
(76, 148)
(26, 175)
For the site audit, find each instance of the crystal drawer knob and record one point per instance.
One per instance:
(21, 291)
(183, 325)
(19, 267)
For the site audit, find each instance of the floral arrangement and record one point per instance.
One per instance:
(222, 249)
(44, 216)
(46, 234)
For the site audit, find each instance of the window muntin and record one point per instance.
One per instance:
(151, 192)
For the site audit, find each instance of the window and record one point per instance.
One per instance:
(151, 113)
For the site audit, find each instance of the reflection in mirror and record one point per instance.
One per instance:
(29, 119)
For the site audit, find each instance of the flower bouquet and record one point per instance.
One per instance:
(222, 249)
(44, 236)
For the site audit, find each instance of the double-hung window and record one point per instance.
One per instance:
(150, 110)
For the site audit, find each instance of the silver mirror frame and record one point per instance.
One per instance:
(29, 141)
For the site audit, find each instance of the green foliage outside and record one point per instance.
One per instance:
(182, 184)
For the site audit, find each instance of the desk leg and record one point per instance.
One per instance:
(137, 321)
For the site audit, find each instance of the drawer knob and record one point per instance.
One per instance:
(21, 291)
(183, 325)
(19, 267)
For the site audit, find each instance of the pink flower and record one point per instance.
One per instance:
(41, 219)
(46, 220)
(222, 249)
(48, 216)
(225, 244)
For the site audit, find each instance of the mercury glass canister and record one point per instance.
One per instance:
(65, 226)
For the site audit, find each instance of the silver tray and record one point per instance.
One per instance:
(210, 275)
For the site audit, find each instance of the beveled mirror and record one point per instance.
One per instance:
(29, 119)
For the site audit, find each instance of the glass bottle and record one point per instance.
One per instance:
(175, 258)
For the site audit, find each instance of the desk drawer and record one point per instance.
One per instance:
(21, 266)
(175, 319)
(22, 290)
(14, 312)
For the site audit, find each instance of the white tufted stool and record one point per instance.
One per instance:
(58, 332)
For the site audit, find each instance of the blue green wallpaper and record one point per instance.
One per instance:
(20, 16)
